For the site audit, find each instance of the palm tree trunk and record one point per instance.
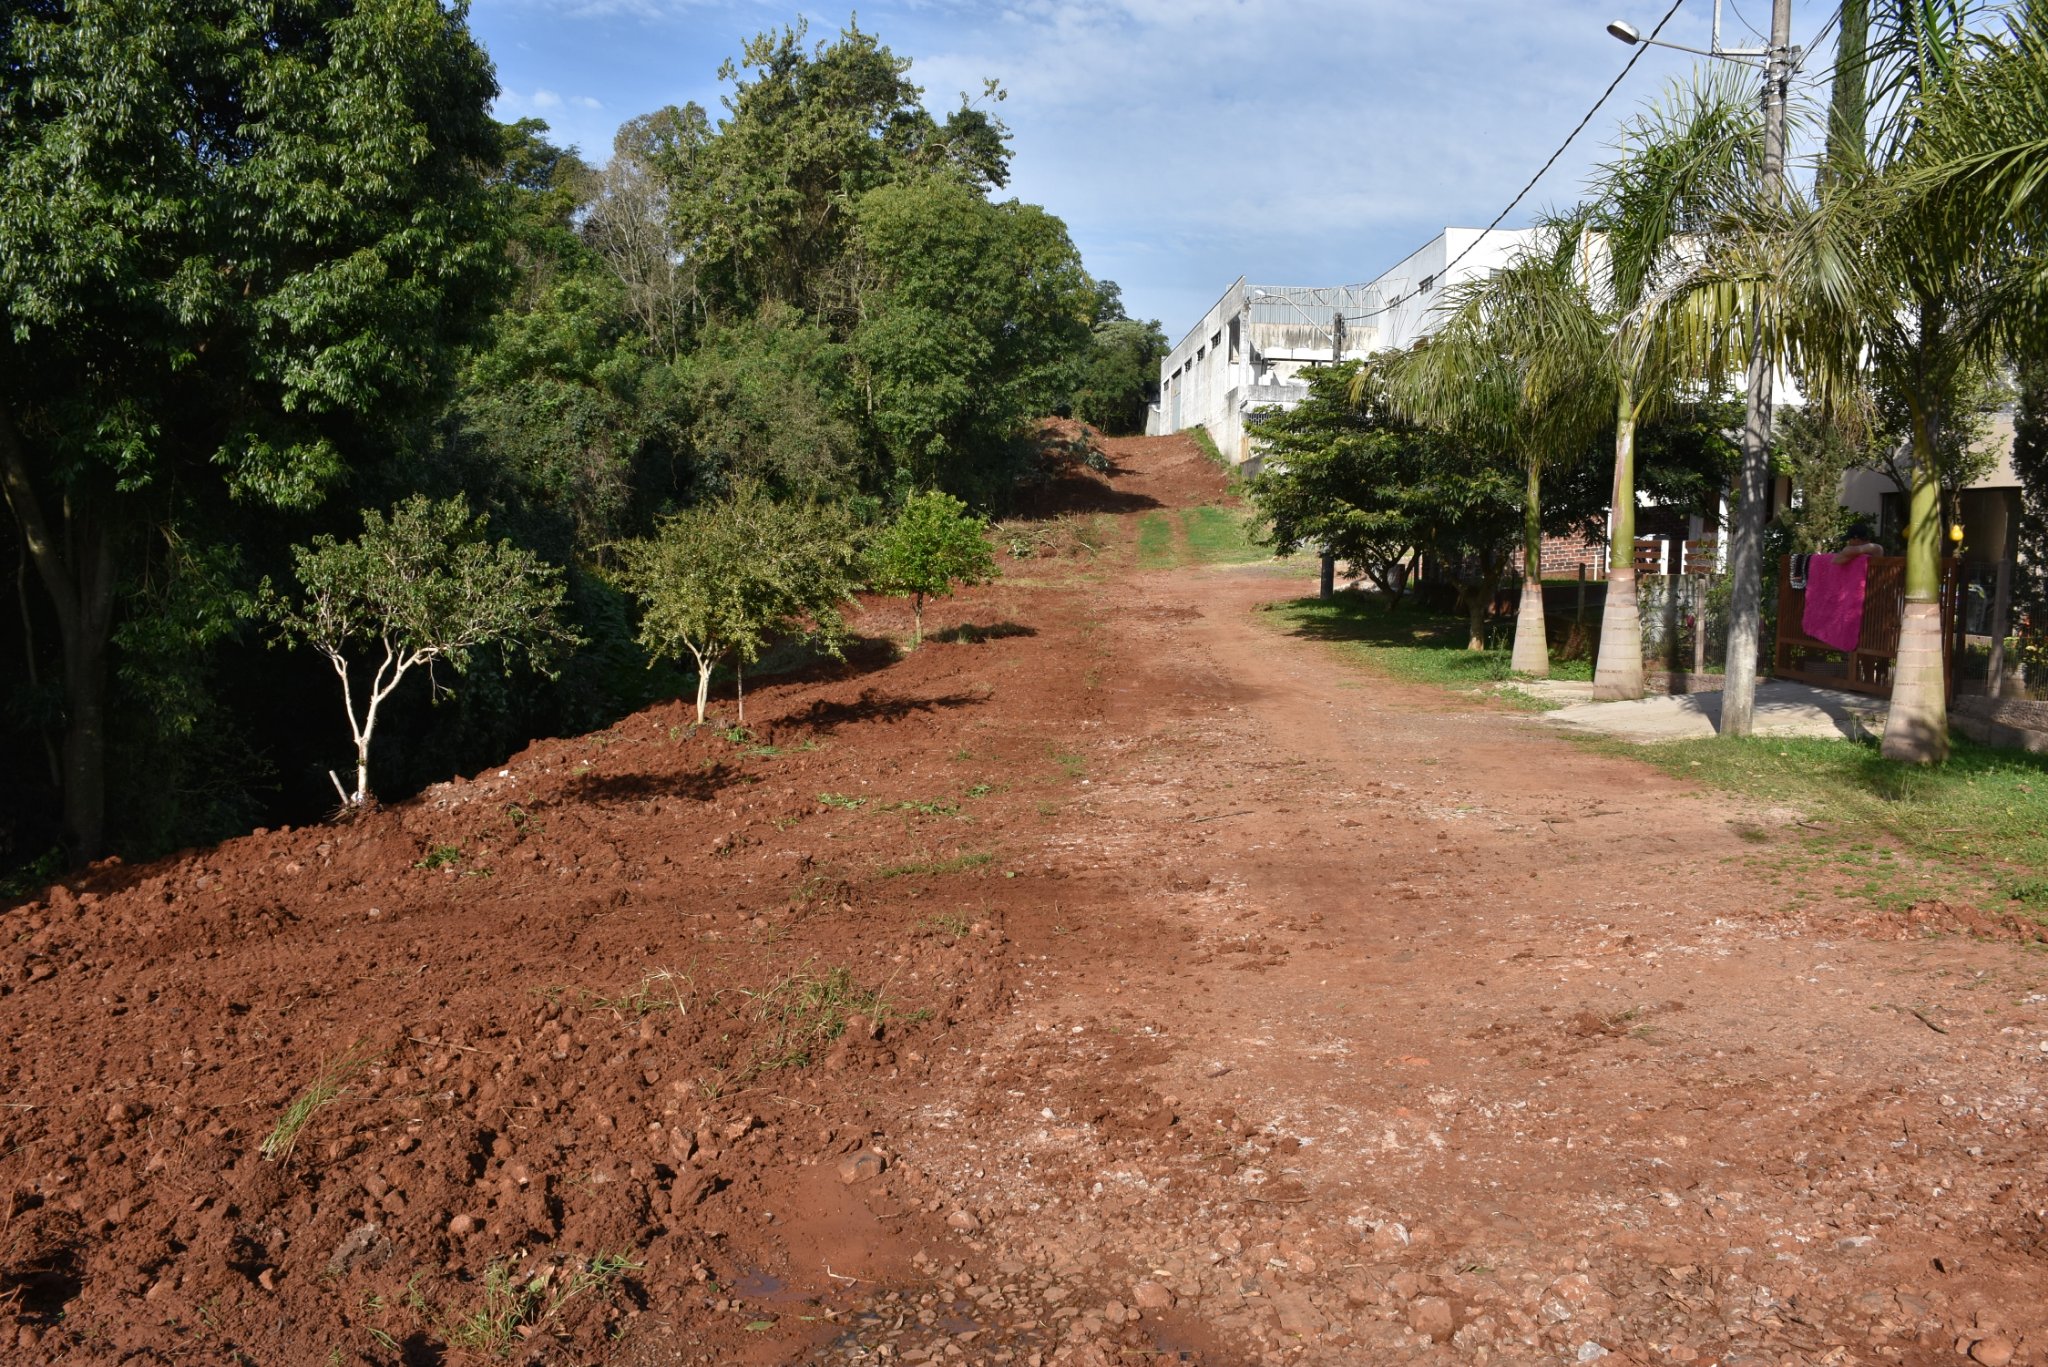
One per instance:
(1916, 729)
(1618, 671)
(1532, 651)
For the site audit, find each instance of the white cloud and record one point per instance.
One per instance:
(1186, 141)
(1301, 140)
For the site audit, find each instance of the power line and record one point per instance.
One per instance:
(1743, 19)
(1817, 77)
(1633, 58)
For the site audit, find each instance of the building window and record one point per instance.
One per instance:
(1428, 283)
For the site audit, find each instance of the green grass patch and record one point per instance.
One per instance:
(958, 863)
(938, 806)
(1220, 536)
(946, 923)
(662, 990)
(1423, 647)
(1199, 435)
(806, 1011)
(517, 1306)
(330, 1086)
(1155, 541)
(1972, 829)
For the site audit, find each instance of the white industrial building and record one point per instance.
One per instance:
(1250, 348)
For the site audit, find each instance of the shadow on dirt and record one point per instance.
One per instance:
(874, 705)
(973, 634)
(603, 790)
(1079, 491)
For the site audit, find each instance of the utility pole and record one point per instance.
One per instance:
(1326, 586)
(1738, 700)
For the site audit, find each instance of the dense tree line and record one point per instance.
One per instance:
(266, 271)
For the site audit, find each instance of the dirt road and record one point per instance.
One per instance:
(1235, 1006)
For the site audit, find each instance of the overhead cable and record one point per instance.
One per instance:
(1633, 58)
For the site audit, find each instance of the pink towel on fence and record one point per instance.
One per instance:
(1834, 600)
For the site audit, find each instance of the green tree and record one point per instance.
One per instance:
(1344, 469)
(423, 586)
(767, 398)
(1119, 375)
(933, 546)
(722, 580)
(558, 409)
(1817, 448)
(979, 316)
(767, 204)
(237, 245)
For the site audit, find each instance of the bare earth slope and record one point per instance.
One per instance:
(1235, 1006)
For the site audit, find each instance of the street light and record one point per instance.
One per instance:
(1628, 33)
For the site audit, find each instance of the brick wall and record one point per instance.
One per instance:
(1562, 556)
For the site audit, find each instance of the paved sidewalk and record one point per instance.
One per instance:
(1782, 709)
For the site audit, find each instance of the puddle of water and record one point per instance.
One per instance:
(754, 1284)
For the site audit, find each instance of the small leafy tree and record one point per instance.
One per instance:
(933, 546)
(724, 579)
(422, 585)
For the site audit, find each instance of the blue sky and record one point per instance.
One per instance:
(1185, 142)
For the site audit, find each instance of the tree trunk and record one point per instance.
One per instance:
(1479, 600)
(77, 571)
(1401, 575)
(1916, 728)
(1618, 671)
(85, 738)
(361, 797)
(1532, 650)
(703, 686)
(51, 757)
(916, 620)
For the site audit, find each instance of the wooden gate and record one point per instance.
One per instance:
(1868, 668)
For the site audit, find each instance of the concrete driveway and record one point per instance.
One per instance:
(1782, 709)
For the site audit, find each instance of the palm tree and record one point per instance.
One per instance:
(1515, 368)
(1983, 164)
(1886, 282)
(1682, 160)
(1860, 281)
